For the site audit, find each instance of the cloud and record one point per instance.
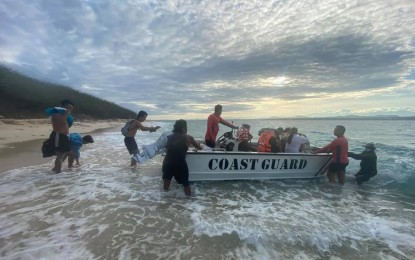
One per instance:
(183, 57)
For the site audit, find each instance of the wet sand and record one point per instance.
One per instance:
(21, 140)
(17, 155)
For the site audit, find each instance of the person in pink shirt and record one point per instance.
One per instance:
(339, 148)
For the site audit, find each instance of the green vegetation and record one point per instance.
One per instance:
(25, 97)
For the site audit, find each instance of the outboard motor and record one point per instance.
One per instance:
(225, 141)
(230, 146)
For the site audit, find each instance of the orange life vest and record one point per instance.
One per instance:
(242, 134)
(263, 141)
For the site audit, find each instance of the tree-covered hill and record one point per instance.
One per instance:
(25, 97)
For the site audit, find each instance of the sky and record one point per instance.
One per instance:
(257, 58)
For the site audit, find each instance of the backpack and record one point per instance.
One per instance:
(126, 127)
(48, 149)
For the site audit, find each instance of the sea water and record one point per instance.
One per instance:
(106, 210)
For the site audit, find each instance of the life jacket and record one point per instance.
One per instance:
(242, 134)
(263, 141)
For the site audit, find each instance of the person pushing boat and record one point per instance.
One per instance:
(368, 167)
(174, 163)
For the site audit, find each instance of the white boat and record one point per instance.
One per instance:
(227, 163)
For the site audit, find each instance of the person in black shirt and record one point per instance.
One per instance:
(174, 163)
(368, 167)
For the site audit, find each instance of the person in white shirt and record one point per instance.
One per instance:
(295, 141)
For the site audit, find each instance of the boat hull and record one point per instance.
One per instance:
(223, 165)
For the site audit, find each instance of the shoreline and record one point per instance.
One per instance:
(21, 139)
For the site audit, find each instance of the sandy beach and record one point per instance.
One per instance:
(21, 139)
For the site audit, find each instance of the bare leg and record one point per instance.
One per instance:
(71, 158)
(64, 157)
(58, 162)
(331, 176)
(187, 191)
(341, 175)
(166, 185)
(133, 163)
(77, 162)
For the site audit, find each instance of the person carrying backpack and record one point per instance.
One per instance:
(132, 128)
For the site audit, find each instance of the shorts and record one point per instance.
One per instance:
(131, 145)
(60, 142)
(337, 167)
(179, 170)
(210, 143)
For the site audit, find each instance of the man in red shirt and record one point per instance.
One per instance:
(213, 126)
(339, 148)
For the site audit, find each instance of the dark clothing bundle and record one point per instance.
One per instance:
(56, 143)
(368, 167)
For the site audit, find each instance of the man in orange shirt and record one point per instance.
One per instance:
(339, 148)
(213, 126)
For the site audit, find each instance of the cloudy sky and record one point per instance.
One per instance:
(258, 58)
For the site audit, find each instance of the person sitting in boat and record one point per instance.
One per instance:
(283, 138)
(368, 167)
(244, 136)
(267, 141)
(174, 163)
(295, 141)
(280, 130)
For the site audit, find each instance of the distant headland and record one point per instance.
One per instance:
(24, 97)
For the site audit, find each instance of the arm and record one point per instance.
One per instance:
(224, 122)
(146, 128)
(192, 141)
(324, 149)
(356, 156)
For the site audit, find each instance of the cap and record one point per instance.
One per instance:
(370, 146)
(246, 126)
